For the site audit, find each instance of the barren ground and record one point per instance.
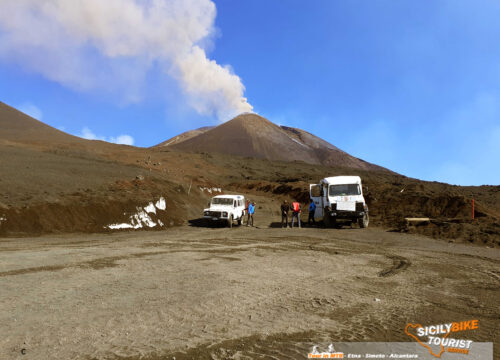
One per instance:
(245, 293)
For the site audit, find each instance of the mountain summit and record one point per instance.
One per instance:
(254, 136)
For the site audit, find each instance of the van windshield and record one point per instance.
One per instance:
(344, 190)
(222, 201)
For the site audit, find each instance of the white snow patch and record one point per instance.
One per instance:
(298, 142)
(161, 204)
(171, 141)
(121, 226)
(141, 218)
(150, 208)
(211, 190)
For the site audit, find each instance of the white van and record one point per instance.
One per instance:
(226, 208)
(340, 198)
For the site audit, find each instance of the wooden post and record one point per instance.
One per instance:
(472, 209)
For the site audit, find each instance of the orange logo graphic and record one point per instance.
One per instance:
(438, 335)
(416, 326)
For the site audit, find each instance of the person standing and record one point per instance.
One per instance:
(285, 208)
(251, 211)
(247, 203)
(296, 212)
(312, 210)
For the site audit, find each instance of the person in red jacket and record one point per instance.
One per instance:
(296, 212)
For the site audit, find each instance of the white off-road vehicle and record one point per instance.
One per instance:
(340, 198)
(226, 208)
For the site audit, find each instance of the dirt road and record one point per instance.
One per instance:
(244, 293)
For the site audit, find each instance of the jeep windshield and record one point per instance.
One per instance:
(344, 190)
(222, 201)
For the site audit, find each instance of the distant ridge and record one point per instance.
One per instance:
(185, 136)
(247, 135)
(16, 126)
(252, 135)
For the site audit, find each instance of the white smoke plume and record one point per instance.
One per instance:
(112, 44)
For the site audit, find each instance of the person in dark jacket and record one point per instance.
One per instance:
(247, 204)
(285, 208)
(312, 210)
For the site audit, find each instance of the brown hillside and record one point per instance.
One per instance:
(53, 182)
(20, 130)
(185, 136)
(251, 135)
(16, 126)
(328, 154)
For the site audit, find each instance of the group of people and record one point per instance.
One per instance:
(286, 208)
(296, 210)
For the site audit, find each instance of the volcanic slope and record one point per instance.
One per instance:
(251, 135)
(19, 128)
(185, 136)
(52, 182)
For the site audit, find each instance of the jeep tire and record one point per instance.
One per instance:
(239, 221)
(363, 221)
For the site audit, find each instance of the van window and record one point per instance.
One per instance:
(344, 190)
(221, 201)
(315, 190)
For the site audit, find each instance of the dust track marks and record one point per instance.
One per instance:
(356, 323)
(229, 258)
(467, 304)
(276, 346)
(316, 305)
(399, 264)
(209, 302)
(96, 264)
(112, 261)
(494, 274)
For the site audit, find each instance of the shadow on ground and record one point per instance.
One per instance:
(277, 225)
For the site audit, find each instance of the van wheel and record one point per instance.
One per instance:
(363, 222)
(230, 221)
(327, 220)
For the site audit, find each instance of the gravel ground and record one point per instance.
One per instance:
(244, 293)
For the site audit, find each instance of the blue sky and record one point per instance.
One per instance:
(413, 86)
